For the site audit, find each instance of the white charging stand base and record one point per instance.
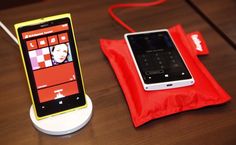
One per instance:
(64, 123)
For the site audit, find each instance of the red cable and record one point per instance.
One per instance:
(148, 4)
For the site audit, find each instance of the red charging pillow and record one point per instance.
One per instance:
(147, 105)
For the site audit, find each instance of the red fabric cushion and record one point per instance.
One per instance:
(147, 105)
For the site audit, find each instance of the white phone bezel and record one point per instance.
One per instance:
(162, 85)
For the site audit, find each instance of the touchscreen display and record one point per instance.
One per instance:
(51, 62)
(52, 66)
(157, 57)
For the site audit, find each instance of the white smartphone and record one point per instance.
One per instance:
(158, 62)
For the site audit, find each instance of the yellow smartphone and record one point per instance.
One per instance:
(52, 67)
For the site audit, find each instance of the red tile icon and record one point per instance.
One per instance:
(32, 44)
(42, 42)
(63, 37)
(62, 90)
(52, 40)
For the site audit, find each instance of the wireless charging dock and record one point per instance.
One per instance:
(65, 123)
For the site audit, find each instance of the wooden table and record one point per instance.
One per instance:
(111, 123)
(220, 15)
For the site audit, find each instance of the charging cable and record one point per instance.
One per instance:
(148, 4)
(8, 32)
(110, 11)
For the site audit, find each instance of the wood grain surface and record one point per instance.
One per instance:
(111, 123)
(221, 15)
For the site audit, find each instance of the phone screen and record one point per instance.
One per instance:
(157, 57)
(52, 66)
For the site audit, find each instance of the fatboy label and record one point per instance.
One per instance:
(197, 42)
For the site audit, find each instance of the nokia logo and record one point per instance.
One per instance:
(44, 25)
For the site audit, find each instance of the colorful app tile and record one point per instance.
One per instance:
(54, 75)
(42, 42)
(32, 44)
(53, 40)
(59, 91)
(40, 58)
(63, 37)
(61, 53)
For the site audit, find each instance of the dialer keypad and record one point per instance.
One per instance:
(155, 63)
